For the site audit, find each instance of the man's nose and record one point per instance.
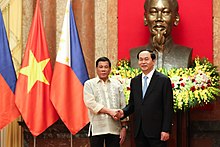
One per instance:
(144, 61)
(159, 16)
(104, 69)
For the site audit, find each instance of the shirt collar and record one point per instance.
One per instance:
(149, 75)
(100, 80)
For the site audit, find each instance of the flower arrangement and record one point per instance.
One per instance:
(123, 72)
(195, 86)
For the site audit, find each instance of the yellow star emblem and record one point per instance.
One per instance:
(67, 60)
(34, 71)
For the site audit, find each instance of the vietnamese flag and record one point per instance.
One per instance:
(33, 84)
(69, 76)
(8, 109)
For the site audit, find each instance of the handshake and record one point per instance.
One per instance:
(116, 114)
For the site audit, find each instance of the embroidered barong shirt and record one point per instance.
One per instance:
(99, 94)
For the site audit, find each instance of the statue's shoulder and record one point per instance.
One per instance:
(181, 48)
(179, 56)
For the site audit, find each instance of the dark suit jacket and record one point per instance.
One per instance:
(154, 113)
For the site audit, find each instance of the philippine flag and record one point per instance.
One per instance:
(69, 76)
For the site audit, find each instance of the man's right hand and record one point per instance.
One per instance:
(119, 114)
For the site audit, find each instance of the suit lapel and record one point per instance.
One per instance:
(139, 82)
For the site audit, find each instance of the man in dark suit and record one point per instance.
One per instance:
(152, 110)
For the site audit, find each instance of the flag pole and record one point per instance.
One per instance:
(71, 139)
(34, 141)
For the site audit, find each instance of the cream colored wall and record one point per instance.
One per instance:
(216, 33)
(106, 29)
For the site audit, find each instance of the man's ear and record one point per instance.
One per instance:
(177, 20)
(145, 19)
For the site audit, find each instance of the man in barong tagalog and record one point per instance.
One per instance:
(160, 16)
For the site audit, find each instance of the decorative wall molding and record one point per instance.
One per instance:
(4, 4)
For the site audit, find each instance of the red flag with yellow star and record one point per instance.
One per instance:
(32, 94)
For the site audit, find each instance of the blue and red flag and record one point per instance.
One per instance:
(69, 76)
(8, 109)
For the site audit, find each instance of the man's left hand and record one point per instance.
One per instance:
(122, 135)
(164, 136)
